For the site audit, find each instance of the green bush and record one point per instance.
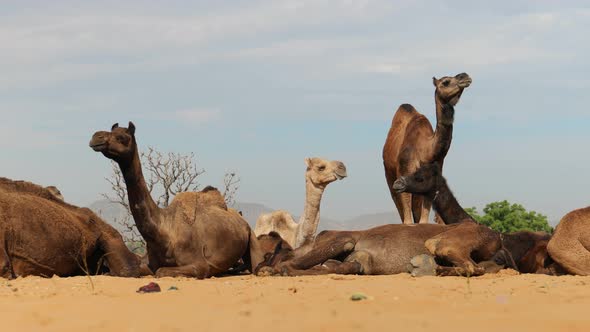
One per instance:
(506, 217)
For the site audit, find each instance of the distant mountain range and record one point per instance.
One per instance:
(111, 212)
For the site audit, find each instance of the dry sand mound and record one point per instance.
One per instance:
(503, 302)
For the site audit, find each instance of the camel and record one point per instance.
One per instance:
(392, 249)
(569, 246)
(412, 140)
(42, 235)
(468, 247)
(522, 250)
(196, 235)
(318, 175)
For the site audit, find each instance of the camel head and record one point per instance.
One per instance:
(273, 249)
(322, 172)
(55, 192)
(449, 89)
(425, 180)
(117, 144)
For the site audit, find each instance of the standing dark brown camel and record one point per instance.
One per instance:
(196, 236)
(42, 235)
(411, 140)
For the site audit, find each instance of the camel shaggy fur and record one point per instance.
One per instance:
(318, 175)
(42, 235)
(411, 140)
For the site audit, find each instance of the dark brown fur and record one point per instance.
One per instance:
(388, 249)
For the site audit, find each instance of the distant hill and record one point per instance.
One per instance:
(111, 212)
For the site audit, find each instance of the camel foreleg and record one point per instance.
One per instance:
(325, 248)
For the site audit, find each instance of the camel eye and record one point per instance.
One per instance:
(122, 139)
(322, 168)
(446, 83)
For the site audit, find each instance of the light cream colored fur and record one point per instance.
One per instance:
(318, 175)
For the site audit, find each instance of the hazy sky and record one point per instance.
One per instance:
(257, 86)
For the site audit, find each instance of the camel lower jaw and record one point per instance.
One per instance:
(98, 147)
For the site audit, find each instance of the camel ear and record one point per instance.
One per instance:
(131, 128)
(434, 80)
(308, 162)
(116, 125)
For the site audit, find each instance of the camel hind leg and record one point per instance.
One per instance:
(327, 246)
(571, 255)
(421, 209)
(199, 271)
(403, 202)
(6, 269)
(456, 246)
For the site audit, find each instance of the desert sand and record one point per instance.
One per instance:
(502, 302)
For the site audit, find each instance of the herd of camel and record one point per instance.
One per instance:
(197, 235)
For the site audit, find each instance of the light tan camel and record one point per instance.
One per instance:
(196, 236)
(412, 141)
(570, 244)
(42, 235)
(318, 175)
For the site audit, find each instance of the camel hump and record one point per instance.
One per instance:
(209, 188)
(407, 108)
(201, 199)
(25, 187)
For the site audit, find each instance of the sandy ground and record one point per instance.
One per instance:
(503, 302)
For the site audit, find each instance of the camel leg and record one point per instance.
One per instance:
(417, 208)
(199, 271)
(571, 255)
(424, 210)
(6, 270)
(406, 202)
(120, 261)
(455, 246)
(325, 248)
(397, 198)
(333, 268)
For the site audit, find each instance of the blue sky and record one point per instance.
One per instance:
(257, 86)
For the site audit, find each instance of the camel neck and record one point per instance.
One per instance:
(446, 205)
(142, 206)
(309, 221)
(443, 134)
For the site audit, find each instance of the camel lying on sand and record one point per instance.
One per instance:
(197, 235)
(42, 235)
(569, 247)
(462, 248)
(411, 141)
(391, 249)
(318, 175)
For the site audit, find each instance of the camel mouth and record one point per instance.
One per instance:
(340, 176)
(399, 185)
(98, 147)
(465, 83)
